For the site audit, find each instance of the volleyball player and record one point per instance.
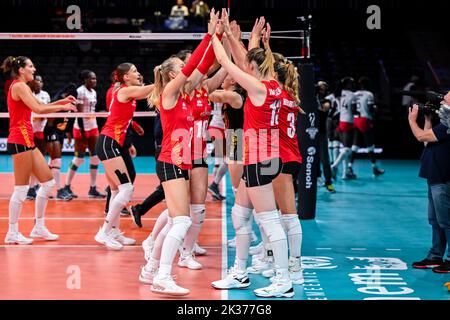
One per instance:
(364, 124)
(261, 166)
(346, 102)
(85, 134)
(38, 128)
(110, 150)
(170, 97)
(26, 158)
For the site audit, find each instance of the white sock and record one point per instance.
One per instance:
(221, 172)
(15, 207)
(264, 239)
(271, 222)
(159, 225)
(242, 224)
(294, 232)
(197, 218)
(173, 240)
(159, 241)
(41, 201)
(116, 222)
(117, 204)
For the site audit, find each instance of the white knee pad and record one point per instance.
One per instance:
(55, 163)
(20, 194)
(198, 214)
(125, 194)
(371, 149)
(336, 144)
(76, 163)
(46, 188)
(355, 148)
(241, 219)
(180, 227)
(292, 224)
(271, 222)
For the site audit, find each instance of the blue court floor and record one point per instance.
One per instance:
(363, 240)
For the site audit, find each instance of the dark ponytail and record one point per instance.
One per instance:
(12, 65)
(121, 70)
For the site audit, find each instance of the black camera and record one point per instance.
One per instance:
(432, 101)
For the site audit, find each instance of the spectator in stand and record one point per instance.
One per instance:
(179, 10)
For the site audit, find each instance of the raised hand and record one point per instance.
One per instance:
(226, 22)
(258, 27)
(235, 29)
(214, 20)
(266, 36)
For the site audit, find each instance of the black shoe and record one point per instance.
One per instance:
(70, 192)
(351, 174)
(428, 263)
(125, 212)
(443, 268)
(62, 195)
(377, 172)
(136, 217)
(93, 193)
(31, 194)
(213, 188)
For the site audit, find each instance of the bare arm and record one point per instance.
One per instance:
(216, 81)
(421, 135)
(255, 89)
(135, 92)
(23, 92)
(237, 50)
(232, 98)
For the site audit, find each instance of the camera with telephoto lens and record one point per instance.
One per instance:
(432, 101)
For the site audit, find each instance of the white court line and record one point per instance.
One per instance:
(86, 246)
(92, 218)
(358, 249)
(393, 249)
(224, 293)
(323, 249)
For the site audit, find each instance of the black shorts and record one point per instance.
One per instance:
(234, 146)
(368, 137)
(331, 129)
(107, 148)
(199, 163)
(293, 168)
(52, 135)
(262, 173)
(167, 171)
(14, 148)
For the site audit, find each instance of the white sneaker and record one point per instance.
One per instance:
(108, 240)
(296, 271)
(42, 232)
(280, 288)
(17, 238)
(166, 285)
(269, 273)
(199, 251)
(256, 249)
(189, 262)
(261, 265)
(147, 276)
(147, 245)
(118, 235)
(234, 280)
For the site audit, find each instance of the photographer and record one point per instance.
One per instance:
(435, 167)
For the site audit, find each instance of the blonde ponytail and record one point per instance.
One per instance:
(153, 100)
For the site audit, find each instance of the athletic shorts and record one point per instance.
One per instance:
(292, 168)
(363, 124)
(234, 147)
(14, 148)
(87, 134)
(107, 148)
(331, 129)
(199, 163)
(262, 173)
(167, 171)
(53, 135)
(345, 126)
(346, 137)
(366, 136)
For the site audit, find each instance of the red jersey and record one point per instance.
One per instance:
(201, 111)
(177, 126)
(109, 95)
(287, 122)
(119, 118)
(20, 127)
(261, 138)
